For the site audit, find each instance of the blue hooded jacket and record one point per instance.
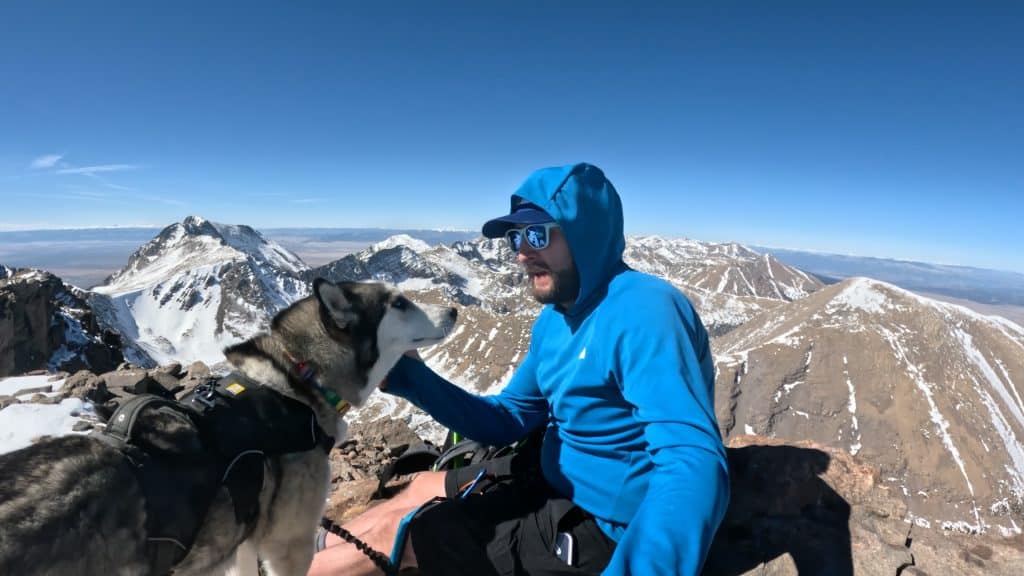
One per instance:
(624, 381)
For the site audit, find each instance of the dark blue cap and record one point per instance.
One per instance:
(523, 213)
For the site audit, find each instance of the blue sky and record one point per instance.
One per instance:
(889, 129)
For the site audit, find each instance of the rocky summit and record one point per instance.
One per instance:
(797, 507)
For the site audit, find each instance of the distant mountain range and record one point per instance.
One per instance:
(86, 257)
(992, 287)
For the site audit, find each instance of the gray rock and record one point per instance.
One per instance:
(44, 399)
(385, 433)
(33, 390)
(82, 426)
(172, 369)
(81, 384)
(122, 382)
(166, 380)
(197, 370)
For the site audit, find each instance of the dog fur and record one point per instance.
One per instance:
(69, 505)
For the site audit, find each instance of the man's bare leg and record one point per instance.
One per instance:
(377, 527)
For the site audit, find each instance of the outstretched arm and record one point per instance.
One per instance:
(496, 420)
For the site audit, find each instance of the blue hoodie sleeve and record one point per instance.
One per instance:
(667, 374)
(496, 420)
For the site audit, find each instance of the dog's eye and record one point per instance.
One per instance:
(400, 304)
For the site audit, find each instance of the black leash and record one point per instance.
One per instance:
(382, 561)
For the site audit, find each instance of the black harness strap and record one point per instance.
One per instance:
(234, 424)
(178, 485)
(243, 422)
(122, 421)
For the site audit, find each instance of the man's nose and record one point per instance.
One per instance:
(526, 252)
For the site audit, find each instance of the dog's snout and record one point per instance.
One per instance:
(453, 313)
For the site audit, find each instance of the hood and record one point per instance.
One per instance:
(588, 209)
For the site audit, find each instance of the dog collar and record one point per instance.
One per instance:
(332, 398)
(306, 374)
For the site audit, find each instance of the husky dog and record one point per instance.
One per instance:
(72, 505)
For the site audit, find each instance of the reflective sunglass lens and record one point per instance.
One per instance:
(537, 236)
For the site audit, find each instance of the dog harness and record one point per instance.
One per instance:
(219, 434)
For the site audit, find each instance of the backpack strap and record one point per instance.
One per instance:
(418, 458)
(466, 452)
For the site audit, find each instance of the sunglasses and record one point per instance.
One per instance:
(538, 236)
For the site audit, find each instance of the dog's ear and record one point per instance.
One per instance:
(335, 302)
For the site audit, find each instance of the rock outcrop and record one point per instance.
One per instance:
(45, 324)
(806, 508)
(796, 507)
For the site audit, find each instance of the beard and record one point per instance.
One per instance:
(564, 287)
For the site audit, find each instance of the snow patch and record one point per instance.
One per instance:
(21, 424)
(414, 244)
(862, 294)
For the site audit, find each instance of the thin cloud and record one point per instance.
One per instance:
(47, 161)
(90, 194)
(307, 200)
(162, 200)
(107, 183)
(93, 170)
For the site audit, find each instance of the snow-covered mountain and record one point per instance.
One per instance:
(479, 272)
(728, 283)
(930, 392)
(197, 287)
(496, 312)
(47, 324)
(921, 388)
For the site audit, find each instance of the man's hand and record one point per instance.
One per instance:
(411, 354)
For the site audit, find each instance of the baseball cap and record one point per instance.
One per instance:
(523, 213)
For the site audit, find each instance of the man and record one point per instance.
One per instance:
(632, 473)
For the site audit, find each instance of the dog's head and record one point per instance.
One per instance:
(358, 332)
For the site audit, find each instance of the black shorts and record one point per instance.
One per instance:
(507, 525)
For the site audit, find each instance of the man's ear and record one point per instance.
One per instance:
(334, 302)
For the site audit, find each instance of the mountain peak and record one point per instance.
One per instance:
(196, 225)
(414, 244)
(865, 294)
(198, 286)
(196, 242)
